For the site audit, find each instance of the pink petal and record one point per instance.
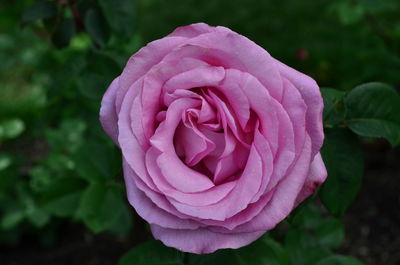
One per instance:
(238, 199)
(173, 169)
(192, 30)
(296, 109)
(284, 197)
(275, 124)
(311, 94)
(193, 143)
(316, 177)
(230, 87)
(108, 115)
(131, 149)
(225, 168)
(233, 50)
(142, 61)
(210, 196)
(260, 102)
(153, 81)
(148, 210)
(202, 240)
(197, 77)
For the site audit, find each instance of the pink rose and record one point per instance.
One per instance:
(220, 141)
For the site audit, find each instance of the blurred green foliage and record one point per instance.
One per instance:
(58, 57)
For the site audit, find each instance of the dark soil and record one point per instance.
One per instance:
(373, 221)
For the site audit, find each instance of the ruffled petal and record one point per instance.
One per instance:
(191, 31)
(202, 240)
(311, 94)
(142, 61)
(148, 210)
(316, 177)
(285, 195)
(108, 114)
(237, 200)
(233, 50)
(173, 169)
(210, 196)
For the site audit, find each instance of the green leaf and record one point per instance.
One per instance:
(91, 201)
(92, 85)
(373, 111)
(96, 27)
(62, 196)
(69, 136)
(119, 15)
(5, 161)
(80, 42)
(124, 222)
(307, 256)
(96, 161)
(330, 234)
(100, 207)
(100, 71)
(63, 33)
(306, 216)
(12, 128)
(152, 253)
(264, 251)
(40, 178)
(38, 217)
(333, 106)
(65, 75)
(344, 162)
(12, 219)
(39, 10)
(8, 177)
(349, 12)
(299, 238)
(340, 260)
(33, 212)
(299, 241)
(377, 6)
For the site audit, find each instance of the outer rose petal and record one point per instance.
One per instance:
(148, 210)
(192, 30)
(311, 94)
(138, 65)
(285, 194)
(238, 52)
(142, 61)
(108, 115)
(316, 177)
(202, 240)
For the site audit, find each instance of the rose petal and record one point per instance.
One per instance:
(173, 169)
(108, 115)
(316, 177)
(197, 77)
(202, 240)
(142, 61)
(210, 196)
(238, 199)
(233, 50)
(311, 94)
(193, 143)
(285, 195)
(148, 210)
(192, 30)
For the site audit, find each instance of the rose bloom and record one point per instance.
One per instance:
(220, 141)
